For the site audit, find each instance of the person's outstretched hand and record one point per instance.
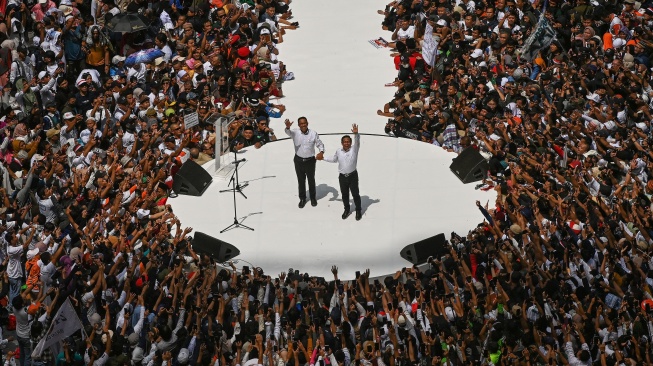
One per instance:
(354, 128)
(319, 156)
(288, 123)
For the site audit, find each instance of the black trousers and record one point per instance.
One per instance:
(305, 169)
(350, 183)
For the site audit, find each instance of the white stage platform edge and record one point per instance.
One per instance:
(408, 194)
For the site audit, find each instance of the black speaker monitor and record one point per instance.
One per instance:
(469, 166)
(214, 248)
(191, 179)
(419, 252)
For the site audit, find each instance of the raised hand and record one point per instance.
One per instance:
(288, 123)
(354, 128)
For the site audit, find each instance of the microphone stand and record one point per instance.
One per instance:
(236, 187)
(235, 182)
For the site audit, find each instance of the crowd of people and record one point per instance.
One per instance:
(556, 95)
(560, 272)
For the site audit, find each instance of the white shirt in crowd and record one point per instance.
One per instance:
(408, 33)
(14, 268)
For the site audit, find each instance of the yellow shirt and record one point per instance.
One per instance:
(96, 55)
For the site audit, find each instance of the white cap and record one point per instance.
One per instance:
(477, 53)
(43, 1)
(182, 357)
(642, 126)
(68, 17)
(116, 59)
(442, 23)
(595, 97)
(265, 31)
(32, 253)
(42, 74)
(68, 115)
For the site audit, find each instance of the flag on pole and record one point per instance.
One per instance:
(65, 323)
(542, 36)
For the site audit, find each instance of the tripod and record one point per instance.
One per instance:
(236, 186)
(235, 183)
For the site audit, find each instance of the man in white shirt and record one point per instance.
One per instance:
(305, 141)
(347, 159)
(404, 30)
(91, 131)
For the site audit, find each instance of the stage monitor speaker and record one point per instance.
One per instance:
(214, 248)
(469, 166)
(191, 179)
(418, 253)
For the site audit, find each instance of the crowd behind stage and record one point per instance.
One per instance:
(96, 269)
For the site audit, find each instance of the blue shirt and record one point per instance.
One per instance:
(72, 43)
(269, 109)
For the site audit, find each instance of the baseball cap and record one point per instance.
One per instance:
(68, 115)
(183, 356)
(117, 59)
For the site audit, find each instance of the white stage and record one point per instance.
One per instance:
(407, 189)
(408, 193)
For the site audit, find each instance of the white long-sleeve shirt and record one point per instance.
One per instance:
(346, 159)
(305, 143)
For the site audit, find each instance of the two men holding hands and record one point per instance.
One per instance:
(305, 141)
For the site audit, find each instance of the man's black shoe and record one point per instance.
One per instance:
(346, 214)
(313, 203)
(359, 215)
(302, 203)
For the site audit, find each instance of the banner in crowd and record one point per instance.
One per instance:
(64, 324)
(542, 36)
(430, 45)
(191, 120)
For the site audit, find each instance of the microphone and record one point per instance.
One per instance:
(239, 161)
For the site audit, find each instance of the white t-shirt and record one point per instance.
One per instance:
(408, 33)
(45, 208)
(14, 268)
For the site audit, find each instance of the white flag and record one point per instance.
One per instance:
(430, 46)
(64, 324)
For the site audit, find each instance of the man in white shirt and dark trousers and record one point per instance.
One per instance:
(347, 158)
(305, 141)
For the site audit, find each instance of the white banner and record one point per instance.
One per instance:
(64, 324)
(191, 120)
(430, 46)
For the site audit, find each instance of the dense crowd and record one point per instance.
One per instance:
(559, 273)
(556, 95)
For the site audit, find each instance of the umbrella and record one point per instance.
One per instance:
(143, 56)
(126, 23)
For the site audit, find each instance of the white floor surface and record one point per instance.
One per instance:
(407, 189)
